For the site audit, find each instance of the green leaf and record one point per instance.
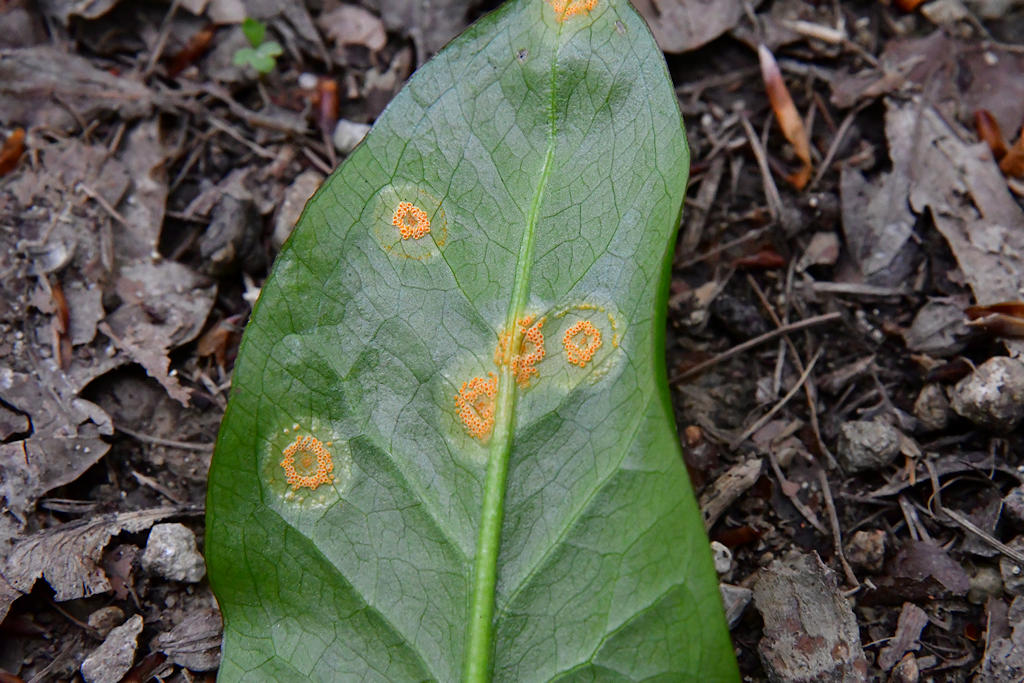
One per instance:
(562, 541)
(244, 56)
(254, 31)
(270, 49)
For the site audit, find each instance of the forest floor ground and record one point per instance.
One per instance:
(831, 395)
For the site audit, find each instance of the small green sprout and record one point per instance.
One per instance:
(262, 56)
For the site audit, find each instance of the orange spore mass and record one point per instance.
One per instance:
(531, 351)
(567, 8)
(412, 221)
(580, 353)
(307, 448)
(474, 405)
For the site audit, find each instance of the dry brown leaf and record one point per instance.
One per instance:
(194, 643)
(1010, 308)
(41, 86)
(989, 132)
(13, 148)
(967, 198)
(353, 25)
(684, 26)
(193, 50)
(64, 441)
(431, 23)
(1005, 319)
(164, 305)
(787, 116)
(1013, 163)
(68, 556)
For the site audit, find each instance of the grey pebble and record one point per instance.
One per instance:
(114, 657)
(171, 552)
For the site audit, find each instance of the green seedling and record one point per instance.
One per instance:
(262, 56)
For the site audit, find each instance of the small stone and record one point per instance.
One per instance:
(1013, 573)
(867, 445)
(348, 134)
(1013, 505)
(810, 632)
(907, 671)
(993, 395)
(105, 619)
(735, 600)
(932, 408)
(111, 660)
(866, 549)
(723, 558)
(985, 583)
(171, 552)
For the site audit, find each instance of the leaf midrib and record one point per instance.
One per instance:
(480, 630)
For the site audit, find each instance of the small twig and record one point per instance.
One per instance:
(756, 341)
(256, 149)
(104, 204)
(748, 237)
(771, 191)
(778, 406)
(157, 486)
(833, 149)
(317, 161)
(854, 289)
(161, 42)
(837, 537)
(914, 526)
(705, 196)
(793, 495)
(809, 390)
(171, 443)
(980, 533)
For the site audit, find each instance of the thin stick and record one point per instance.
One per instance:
(756, 341)
(837, 537)
(798, 362)
(833, 149)
(980, 533)
(793, 496)
(748, 237)
(156, 440)
(161, 42)
(771, 191)
(778, 406)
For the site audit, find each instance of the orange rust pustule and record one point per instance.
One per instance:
(307, 447)
(531, 351)
(591, 342)
(412, 221)
(567, 8)
(474, 405)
